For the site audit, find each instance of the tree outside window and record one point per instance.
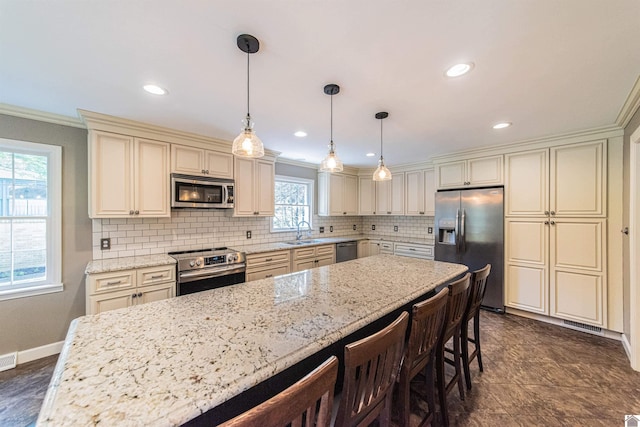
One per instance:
(293, 203)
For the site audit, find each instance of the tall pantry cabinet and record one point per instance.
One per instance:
(555, 232)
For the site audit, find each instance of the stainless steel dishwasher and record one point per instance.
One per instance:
(346, 251)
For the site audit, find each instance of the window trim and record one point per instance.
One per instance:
(54, 220)
(297, 180)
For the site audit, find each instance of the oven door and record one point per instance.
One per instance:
(197, 281)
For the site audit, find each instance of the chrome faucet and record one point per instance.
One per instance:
(299, 234)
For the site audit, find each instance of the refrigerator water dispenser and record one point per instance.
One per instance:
(447, 231)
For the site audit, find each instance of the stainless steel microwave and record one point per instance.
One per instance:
(201, 192)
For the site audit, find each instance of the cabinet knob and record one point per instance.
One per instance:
(546, 213)
(552, 223)
(268, 275)
(553, 213)
(546, 223)
(202, 171)
(421, 213)
(344, 213)
(131, 212)
(207, 171)
(139, 294)
(134, 295)
(137, 212)
(388, 212)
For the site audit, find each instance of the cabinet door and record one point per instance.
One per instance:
(218, 165)
(363, 248)
(526, 186)
(265, 197)
(110, 175)
(324, 260)
(366, 196)
(451, 175)
(304, 264)
(268, 272)
(397, 194)
(151, 171)
(155, 292)
(244, 187)
(383, 196)
(187, 160)
(110, 301)
(415, 193)
(526, 247)
(336, 194)
(484, 171)
(350, 195)
(429, 192)
(578, 180)
(374, 248)
(577, 262)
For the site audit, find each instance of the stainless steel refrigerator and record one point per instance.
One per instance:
(469, 230)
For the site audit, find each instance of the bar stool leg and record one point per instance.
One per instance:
(458, 362)
(465, 354)
(476, 338)
(430, 390)
(442, 387)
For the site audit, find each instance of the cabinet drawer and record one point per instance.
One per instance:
(416, 251)
(267, 272)
(325, 250)
(302, 253)
(112, 281)
(155, 275)
(266, 258)
(386, 248)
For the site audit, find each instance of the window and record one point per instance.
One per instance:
(30, 219)
(293, 203)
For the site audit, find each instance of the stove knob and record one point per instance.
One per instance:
(199, 262)
(192, 263)
(235, 257)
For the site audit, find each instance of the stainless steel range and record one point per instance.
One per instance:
(200, 270)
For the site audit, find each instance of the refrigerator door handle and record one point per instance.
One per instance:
(457, 234)
(463, 242)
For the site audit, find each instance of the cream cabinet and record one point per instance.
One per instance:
(121, 289)
(377, 247)
(313, 256)
(337, 194)
(563, 181)
(472, 172)
(413, 250)
(196, 161)
(267, 264)
(128, 177)
(390, 196)
(366, 196)
(557, 267)
(363, 248)
(420, 188)
(254, 187)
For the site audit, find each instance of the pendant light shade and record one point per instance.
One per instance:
(331, 163)
(382, 173)
(247, 144)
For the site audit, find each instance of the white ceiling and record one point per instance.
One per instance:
(548, 66)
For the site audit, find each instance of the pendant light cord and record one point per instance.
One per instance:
(331, 121)
(381, 138)
(248, 115)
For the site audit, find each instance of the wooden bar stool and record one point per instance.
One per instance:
(427, 320)
(478, 288)
(306, 403)
(456, 307)
(371, 367)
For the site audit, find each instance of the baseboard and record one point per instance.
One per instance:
(31, 354)
(627, 345)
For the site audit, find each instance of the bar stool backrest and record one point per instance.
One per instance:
(478, 289)
(457, 305)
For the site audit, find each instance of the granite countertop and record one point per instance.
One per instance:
(126, 263)
(166, 362)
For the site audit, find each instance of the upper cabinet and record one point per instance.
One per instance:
(254, 187)
(563, 181)
(472, 172)
(420, 188)
(390, 196)
(128, 176)
(196, 161)
(337, 194)
(366, 195)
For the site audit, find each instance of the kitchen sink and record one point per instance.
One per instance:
(303, 242)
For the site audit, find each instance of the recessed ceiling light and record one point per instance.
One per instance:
(155, 89)
(371, 154)
(459, 69)
(300, 134)
(502, 125)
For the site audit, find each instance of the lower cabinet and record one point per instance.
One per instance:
(268, 264)
(313, 256)
(413, 250)
(556, 267)
(363, 248)
(121, 289)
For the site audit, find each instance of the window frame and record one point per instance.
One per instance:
(53, 280)
(306, 181)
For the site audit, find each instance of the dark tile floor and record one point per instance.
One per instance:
(535, 374)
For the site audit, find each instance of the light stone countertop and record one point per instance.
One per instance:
(126, 263)
(166, 362)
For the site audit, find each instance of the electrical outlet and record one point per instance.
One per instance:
(395, 228)
(373, 227)
(248, 234)
(322, 229)
(354, 227)
(331, 229)
(105, 243)
(430, 230)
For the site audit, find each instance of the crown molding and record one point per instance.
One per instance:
(107, 123)
(349, 170)
(41, 116)
(630, 106)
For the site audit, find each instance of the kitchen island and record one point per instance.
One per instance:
(168, 362)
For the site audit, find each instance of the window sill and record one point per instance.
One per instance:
(31, 291)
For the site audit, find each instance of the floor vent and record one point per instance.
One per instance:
(584, 327)
(8, 361)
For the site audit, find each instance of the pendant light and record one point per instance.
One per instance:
(331, 163)
(247, 144)
(382, 173)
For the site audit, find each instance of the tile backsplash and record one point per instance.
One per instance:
(206, 228)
